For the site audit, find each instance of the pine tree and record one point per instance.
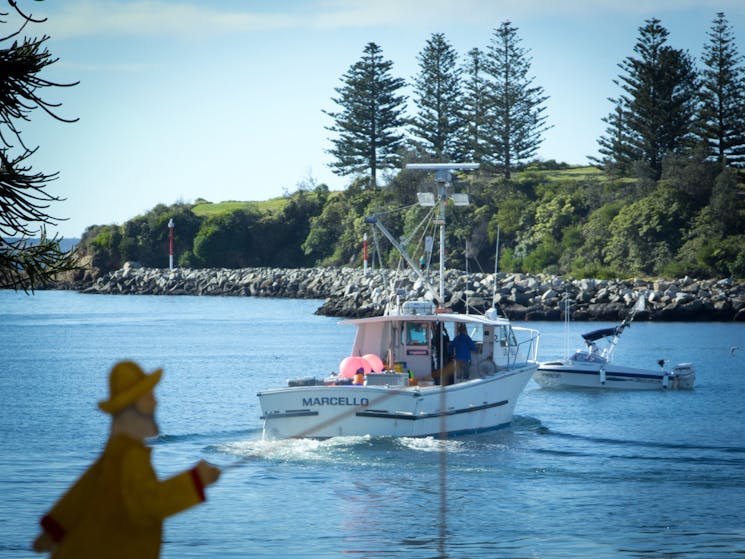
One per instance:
(369, 124)
(516, 122)
(437, 87)
(28, 258)
(472, 136)
(721, 118)
(617, 142)
(653, 116)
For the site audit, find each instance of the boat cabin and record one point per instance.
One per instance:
(418, 341)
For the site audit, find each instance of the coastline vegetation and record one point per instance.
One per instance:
(552, 218)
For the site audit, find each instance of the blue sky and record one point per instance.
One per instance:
(181, 99)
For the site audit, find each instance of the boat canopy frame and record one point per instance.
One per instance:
(600, 333)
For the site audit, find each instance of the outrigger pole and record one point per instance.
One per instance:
(373, 220)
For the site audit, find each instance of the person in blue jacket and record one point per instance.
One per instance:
(461, 346)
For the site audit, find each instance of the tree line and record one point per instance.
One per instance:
(665, 197)
(488, 110)
(550, 218)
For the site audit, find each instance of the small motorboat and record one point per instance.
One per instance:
(593, 368)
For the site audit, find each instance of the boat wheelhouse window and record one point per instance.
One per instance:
(416, 334)
(476, 332)
(505, 336)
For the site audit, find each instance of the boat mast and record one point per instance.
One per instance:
(444, 179)
(567, 314)
(496, 269)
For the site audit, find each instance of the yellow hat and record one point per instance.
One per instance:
(127, 383)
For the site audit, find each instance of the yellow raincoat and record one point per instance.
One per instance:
(116, 509)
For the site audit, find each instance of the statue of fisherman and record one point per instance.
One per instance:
(117, 508)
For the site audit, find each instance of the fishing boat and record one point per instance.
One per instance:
(592, 367)
(397, 380)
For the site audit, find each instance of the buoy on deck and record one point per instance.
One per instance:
(349, 366)
(376, 363)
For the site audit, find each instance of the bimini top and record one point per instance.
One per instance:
(601, 333)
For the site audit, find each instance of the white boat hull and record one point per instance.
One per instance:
(570, 373)
(380, 411)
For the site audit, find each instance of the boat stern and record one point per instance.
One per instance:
(682, 377)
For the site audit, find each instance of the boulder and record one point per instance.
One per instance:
(350, 292)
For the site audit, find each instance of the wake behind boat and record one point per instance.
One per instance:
(593, 366)
(398, 380)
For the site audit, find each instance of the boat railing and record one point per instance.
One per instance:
(527, 347)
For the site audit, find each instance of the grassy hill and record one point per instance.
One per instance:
(202, 208)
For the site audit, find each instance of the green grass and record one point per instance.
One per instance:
(573, 173)
(209, 209)
(275, 205)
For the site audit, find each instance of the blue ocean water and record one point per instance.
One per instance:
(578, 474)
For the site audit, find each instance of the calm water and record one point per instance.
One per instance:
(579, 474)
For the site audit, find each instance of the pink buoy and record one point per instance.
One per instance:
(350, 365)
(376, 363)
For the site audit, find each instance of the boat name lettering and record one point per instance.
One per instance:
(336, 401)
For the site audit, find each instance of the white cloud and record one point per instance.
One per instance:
(403, 13)
(201, 19)
(157, 18)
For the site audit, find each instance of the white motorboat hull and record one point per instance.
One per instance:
(473, 406)
(578, 374)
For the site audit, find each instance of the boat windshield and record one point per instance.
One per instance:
(505, 336)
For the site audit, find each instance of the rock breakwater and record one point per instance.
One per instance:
(348, 292)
